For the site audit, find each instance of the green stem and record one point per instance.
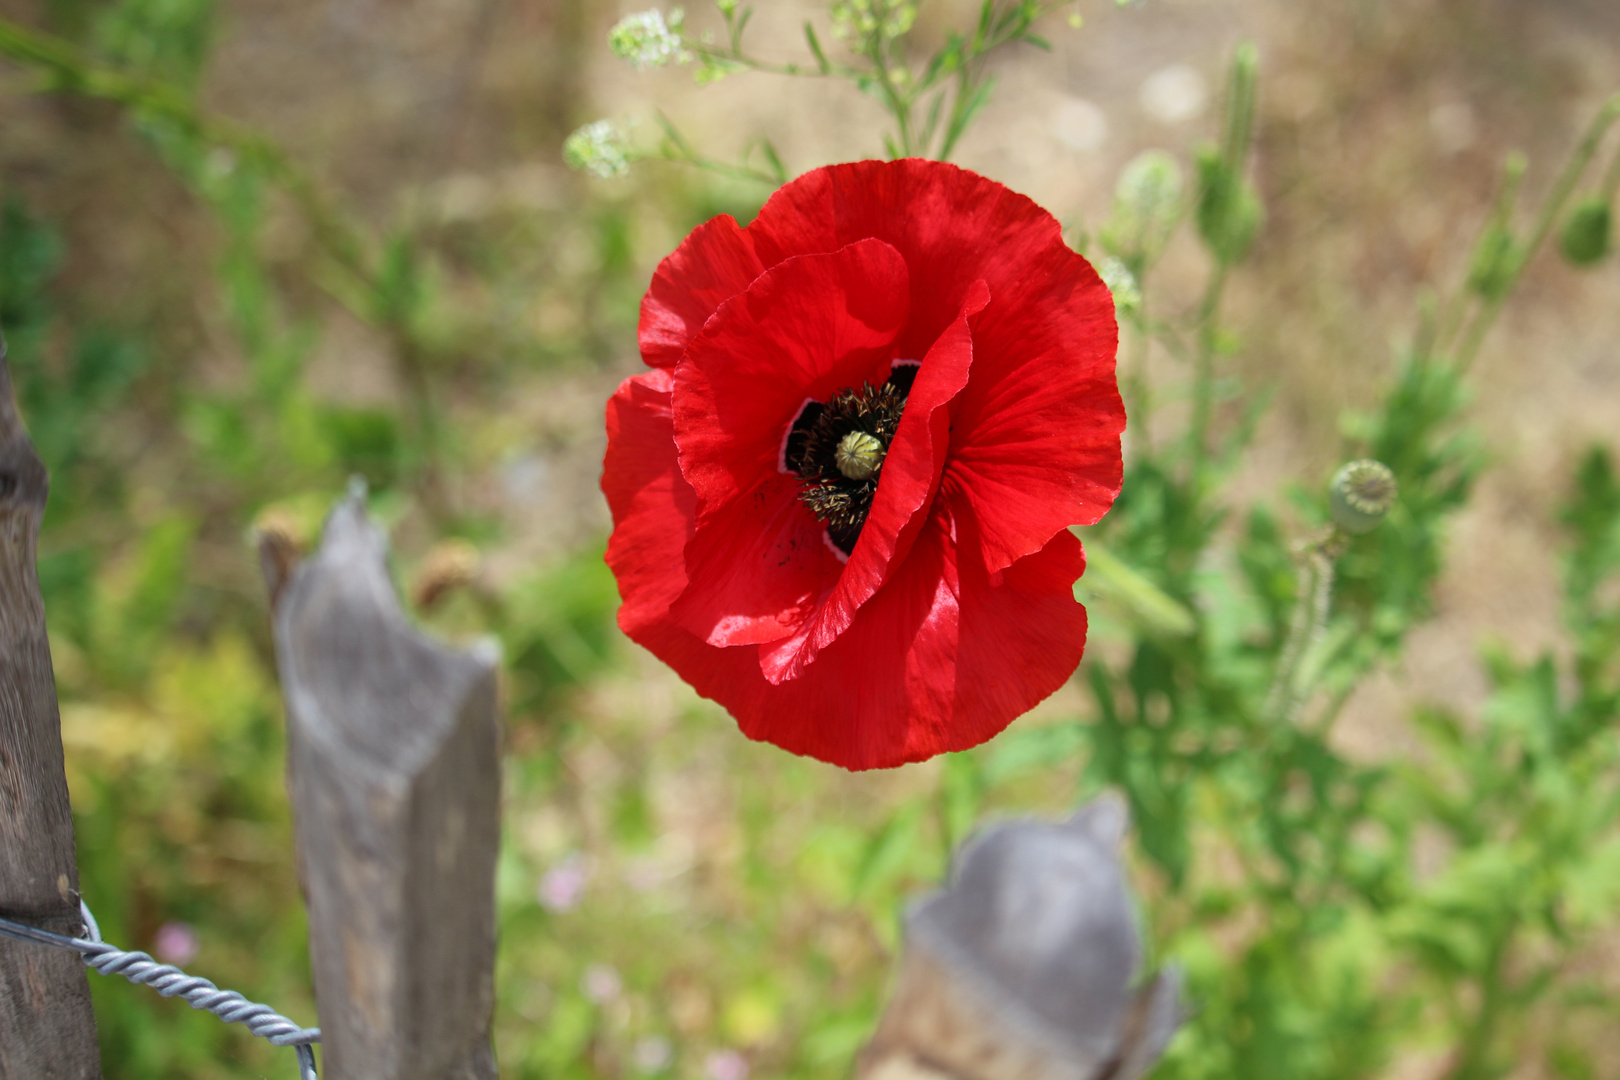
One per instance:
(1611, 178)
(1137, 390)
(767, 67)
(1204, 367)
(1312, 606)
(876, 47)
(1473, 1057)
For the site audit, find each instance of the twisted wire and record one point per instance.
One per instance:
(170, 981)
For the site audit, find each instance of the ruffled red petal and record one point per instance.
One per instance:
(755, 568)
(910, 477)
(1035, 445)
(953, 227)
(1036, 438)
(936, 661)
(1023, 633)
(654, 510)
(807, 328)
(713, 264)
(804, 329)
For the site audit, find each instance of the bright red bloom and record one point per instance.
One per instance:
(842, 495)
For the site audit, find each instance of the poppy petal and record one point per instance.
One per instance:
(1038, 428)
(713, 264)
(910, 478)
(1023, 632)
(652, 504)
(1035, 442)
(952, 226)
(805, 329)
(756, 567)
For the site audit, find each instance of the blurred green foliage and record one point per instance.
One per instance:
(667, 889)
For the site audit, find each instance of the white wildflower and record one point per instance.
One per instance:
(647, 41)
(1120, 282)
(599, 149)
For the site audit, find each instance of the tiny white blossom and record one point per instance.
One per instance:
(1121, 282)
(647, 41)
(598, 149)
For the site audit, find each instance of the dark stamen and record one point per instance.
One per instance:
(836, 498)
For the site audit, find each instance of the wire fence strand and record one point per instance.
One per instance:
(170, 981)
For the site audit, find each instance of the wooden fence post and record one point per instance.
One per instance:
(47, 1030)
(1025, 966)
(394, 774)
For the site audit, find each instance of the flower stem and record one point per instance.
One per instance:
(1138, 394)
(1204, 367)
(1312, 606)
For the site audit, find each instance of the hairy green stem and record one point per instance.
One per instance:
(1138, 393)
(1312, 606)
(1204, 368)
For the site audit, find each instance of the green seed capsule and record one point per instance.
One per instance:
(1585, 239)
(858, 455)
(1361, 494)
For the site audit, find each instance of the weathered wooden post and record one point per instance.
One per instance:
(395, 786)
(1025, 967)
(47, 1030)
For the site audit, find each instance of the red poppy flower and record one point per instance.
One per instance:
(842, 497)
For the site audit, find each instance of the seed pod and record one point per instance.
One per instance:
(1585, 238)
(1360, 495)
(858, 455)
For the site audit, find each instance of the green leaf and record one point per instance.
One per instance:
(1153, 610)
(815, 48)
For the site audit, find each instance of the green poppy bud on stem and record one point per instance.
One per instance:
(1229, 210)
(1496, 256)
(1147, 205)
(1361, 493)
(1585, 239)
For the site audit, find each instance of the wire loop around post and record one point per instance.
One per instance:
(170, 981)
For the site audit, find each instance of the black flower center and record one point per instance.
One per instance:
(837, 449)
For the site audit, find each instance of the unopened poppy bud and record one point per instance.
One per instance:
(1360, 495)
(858, 455)
(1496, 257)
(1229, 211)
(1147, 205)
(1585, 239)
(1026, 965)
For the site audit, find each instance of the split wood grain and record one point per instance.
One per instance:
(47, 1028)
(394, 775)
